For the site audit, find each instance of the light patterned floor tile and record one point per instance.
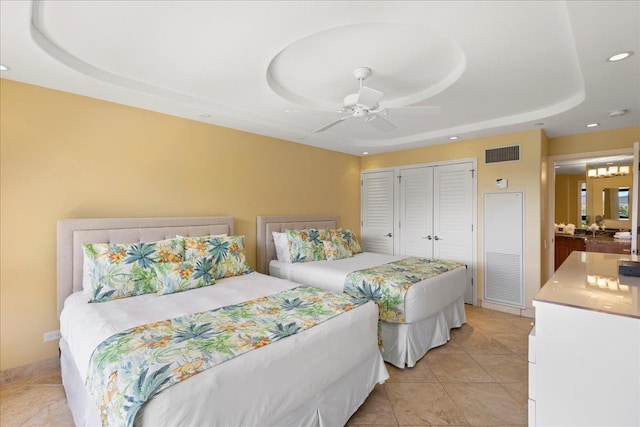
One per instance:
(504, 368)
(486, 404)
(423, 404)
(477, 378)
(421, 373)
(376, 410)
(456, 367)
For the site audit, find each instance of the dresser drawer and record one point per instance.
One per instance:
(532, 381)
(532, 345)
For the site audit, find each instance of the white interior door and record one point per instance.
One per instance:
(416, 212)
(377, 212)
(453, 216)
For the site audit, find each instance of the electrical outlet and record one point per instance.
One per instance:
(52, 336)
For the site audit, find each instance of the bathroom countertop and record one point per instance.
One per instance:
(597, 238)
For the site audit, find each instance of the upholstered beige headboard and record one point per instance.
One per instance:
(72, 233)
(268, 224)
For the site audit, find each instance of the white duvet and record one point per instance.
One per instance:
(422, 300)
(277, 382)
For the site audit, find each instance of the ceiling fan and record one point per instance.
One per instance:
(365, 105)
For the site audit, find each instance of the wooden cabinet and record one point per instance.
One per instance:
(565, 245)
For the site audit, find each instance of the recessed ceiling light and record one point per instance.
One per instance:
(618, 113)
(4, 68)
(592, 125)
(453, 138)
(364, 153)
(619, 56)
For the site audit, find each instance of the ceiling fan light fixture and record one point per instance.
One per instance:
(365, 105)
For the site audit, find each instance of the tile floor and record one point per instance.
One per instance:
(478, 379)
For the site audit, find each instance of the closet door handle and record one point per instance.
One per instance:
(428, 237)
(388, 235)
(437, 238)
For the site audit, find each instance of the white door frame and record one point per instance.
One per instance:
(549, 241)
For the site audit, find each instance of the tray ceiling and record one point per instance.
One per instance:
(282, 69)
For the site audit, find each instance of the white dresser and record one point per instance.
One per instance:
(584, 351)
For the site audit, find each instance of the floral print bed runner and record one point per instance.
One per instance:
(387, 284)
(128, 368)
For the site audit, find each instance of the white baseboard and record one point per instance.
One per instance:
(524, 312)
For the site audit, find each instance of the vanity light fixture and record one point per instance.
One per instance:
(609, 171)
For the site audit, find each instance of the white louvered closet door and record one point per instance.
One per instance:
(453, 216)
(416, 212)
(452, 219)
(377, 212)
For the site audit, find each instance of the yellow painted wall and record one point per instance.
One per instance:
(525, 175)
(566, 200)
(67, 156)
(594, 141)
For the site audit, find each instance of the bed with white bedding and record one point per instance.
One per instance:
(430, 308)
(318, 376)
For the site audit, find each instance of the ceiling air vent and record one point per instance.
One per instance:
(502, 154)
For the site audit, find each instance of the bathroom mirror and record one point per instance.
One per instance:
(580, 198)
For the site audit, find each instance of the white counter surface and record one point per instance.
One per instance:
(590, 280)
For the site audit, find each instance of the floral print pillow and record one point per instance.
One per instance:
(181, 276)
(351, 239)
(334, 251)
(227, 254)
(125, 270)
(306, 245)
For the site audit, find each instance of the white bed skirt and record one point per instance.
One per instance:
(406, 343)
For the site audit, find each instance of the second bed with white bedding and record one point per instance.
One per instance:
(432, 307)
(422, 300)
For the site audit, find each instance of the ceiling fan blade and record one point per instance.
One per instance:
(333, 123)
(411, 111)
(381, 123)
(368, 97)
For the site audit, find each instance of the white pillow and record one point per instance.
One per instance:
(87, 287)
(282, 246)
